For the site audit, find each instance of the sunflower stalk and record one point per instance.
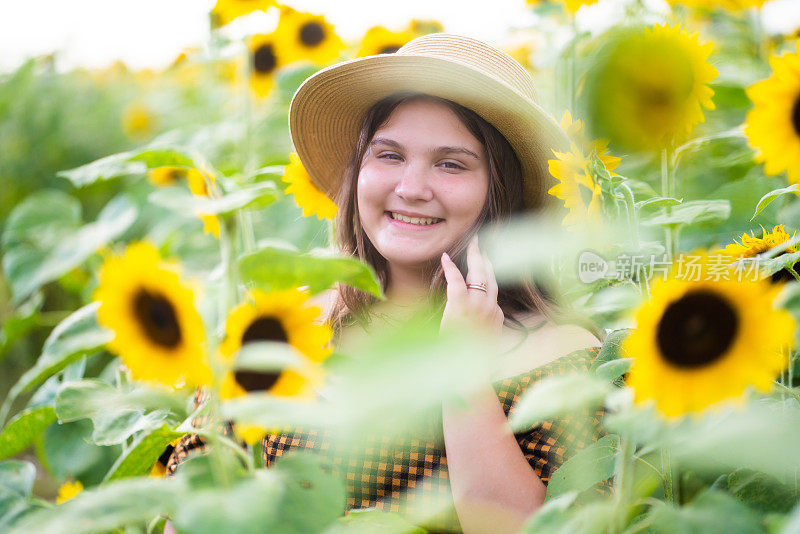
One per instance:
(623, 482)
(670, 483)
(248, 165)
(666, 191)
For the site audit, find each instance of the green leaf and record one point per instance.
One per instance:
(773, 265)
(370, 521)
(140, 458)
(557, 396)
(591, 518)
(24, 319)
(658, 202)
(42, 220)
(28, 268)
(759, 436)
(163, 157)
(16, 484)
(103, 403)
(614, 369)
(710, 511)
(17, 476)
(272, 268)
(772, 195)
(691, 212)
(107, 507)
(76, 336)
(593, 464)
(297, 495)
(132, 163)
(266, 356)
(612, 346)
(23, 429)
(106, 168)
(180, 200)
(762, 492)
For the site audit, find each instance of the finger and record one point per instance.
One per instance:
(491, 280)
(456, 287)
(475, 267)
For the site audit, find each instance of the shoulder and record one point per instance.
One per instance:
(547, 341)
(325, 301)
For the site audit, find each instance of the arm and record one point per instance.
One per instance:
(494, 487)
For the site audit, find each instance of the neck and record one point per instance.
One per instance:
(407, 285)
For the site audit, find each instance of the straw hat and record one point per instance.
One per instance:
(328, 109)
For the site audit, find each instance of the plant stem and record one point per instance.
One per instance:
(623, 482)
(791, 270)
(666, 468)
(666, 191)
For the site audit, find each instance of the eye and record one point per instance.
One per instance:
(452, 166)
(390, 156)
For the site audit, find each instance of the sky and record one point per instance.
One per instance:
(150, 33)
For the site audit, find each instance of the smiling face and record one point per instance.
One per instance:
(422, 184)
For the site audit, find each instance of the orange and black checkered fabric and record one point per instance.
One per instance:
(402, 474)
(392, 474)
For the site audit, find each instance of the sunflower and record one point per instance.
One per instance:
(167, 175)
(730, 5)
(648, 90)
(379, 40)
(68, 490)
(303, 36)
(306, 194)
(751, 246)
(772, 127)
(224, 11)
(581, 193)
(198, 184)
(572, 5)
(279, 316)
(138, 122)
(701, 340)
(264, 61)
(158, 331)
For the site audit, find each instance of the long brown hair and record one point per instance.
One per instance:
(504, 199)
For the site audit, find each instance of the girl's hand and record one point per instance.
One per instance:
(471, 306)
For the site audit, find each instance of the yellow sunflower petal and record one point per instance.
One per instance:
(306, 194)
(772, 127)
(158, 332)
(700, 341)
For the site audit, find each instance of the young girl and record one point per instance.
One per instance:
(420, 149)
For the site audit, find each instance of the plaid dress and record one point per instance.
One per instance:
(406, 474)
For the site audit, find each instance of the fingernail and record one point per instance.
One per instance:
(446, 256)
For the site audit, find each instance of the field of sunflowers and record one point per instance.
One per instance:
(158, 235)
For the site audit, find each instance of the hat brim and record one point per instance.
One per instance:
(329, 107)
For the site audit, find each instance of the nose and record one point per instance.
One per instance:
(414, 185)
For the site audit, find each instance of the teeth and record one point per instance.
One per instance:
(424, 221)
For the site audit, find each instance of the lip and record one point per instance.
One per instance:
(406, 225)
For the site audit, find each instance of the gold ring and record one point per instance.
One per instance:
(481, 287)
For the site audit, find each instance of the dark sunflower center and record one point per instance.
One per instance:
(389, 49)
(312, 34)
(256, 380)
(265, 329)
(264, 60)
(157, 316)
(796, 115)
(697, 329)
